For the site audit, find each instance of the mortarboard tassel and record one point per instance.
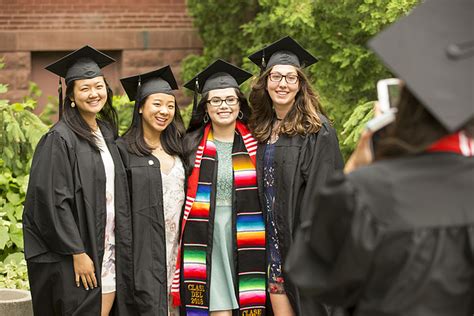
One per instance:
(137, 96)
(196, 88)
(264, 64)
(60, 98)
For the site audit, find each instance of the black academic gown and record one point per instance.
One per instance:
(65, 214)
(302, 165)
(394, 238)
(149, 243)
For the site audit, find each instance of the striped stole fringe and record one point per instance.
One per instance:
(250, 230)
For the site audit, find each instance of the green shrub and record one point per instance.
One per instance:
(20, 131)
(13, 272)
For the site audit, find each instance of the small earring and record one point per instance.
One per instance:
(73, 105)
(241, 115)
(140, 111)
(206, 118)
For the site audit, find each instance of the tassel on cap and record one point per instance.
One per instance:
(195, 94)
(263, 64)
(60, 98)
(137, 96)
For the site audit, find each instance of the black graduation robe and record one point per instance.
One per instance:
(393, 238)
(302, 165)
(65, 214)
(149, 243)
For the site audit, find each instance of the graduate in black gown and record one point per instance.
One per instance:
(76, 219)
(396, 236)
(298, 149)
(152, 154)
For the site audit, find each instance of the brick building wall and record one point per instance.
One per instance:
(141, 35)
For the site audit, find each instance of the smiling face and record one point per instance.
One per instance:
(223, 115)
(90, 96)
(282, 93)
(157, 112)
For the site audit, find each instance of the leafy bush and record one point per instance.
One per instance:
(13, 272)
(124, 109)
(20, 131)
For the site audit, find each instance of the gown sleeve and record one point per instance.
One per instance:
(52, 188)
(332, 253)
(321, 158)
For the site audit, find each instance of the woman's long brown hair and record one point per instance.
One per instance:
(302, 119)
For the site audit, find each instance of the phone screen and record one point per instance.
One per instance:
(388, 92)
(393, 94)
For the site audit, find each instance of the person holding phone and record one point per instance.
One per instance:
(298, 149)
(395, 236)
(76, 219)
(152, 153)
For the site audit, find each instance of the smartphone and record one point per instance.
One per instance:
(388, 93)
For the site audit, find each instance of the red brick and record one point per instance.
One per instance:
(20, 60)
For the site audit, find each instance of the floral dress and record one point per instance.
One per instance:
(275, 277)
(108, 262)
(173, 200)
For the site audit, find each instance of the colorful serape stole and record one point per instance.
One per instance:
(250, 229)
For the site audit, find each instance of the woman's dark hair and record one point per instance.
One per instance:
(197, 118)
(303, 118)
(73, 118)
(414, 129)
(170, 137)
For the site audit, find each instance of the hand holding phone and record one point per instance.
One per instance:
(388, 91)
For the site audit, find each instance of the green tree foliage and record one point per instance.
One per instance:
(124, 108)
(334, 31)
(219, 24)
(20, 132)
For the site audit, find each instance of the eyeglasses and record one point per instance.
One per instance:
(217, 102)
(277, 77)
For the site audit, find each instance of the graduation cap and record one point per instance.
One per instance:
(84, 63)
(218, 75)
(157, 81)
(285, 51)
(432, 50)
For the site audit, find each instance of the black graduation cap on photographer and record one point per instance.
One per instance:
(432, 50)
(285, 51)
(84, 63)
(218, 75)
(157, 81)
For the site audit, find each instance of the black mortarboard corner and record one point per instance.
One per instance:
(157, 81)
(432, 50)
(218, 75)
(285, 51)
(84, 63)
